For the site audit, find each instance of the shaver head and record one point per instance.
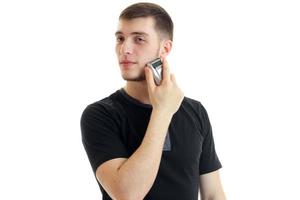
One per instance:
(156, 67)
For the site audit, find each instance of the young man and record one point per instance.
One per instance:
(146, 141)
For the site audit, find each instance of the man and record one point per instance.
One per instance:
(146, 141)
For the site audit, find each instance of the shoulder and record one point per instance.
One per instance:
(99, 110)
(103, 105)
(192, 102)
(195, 109)
(193, 105)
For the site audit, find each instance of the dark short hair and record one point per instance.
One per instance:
(163, 21)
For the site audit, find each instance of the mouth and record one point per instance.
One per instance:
(127, 64)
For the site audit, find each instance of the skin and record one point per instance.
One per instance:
(138, 42)
(140, 49)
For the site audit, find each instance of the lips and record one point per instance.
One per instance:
(126, 62)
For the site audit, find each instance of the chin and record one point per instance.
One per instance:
(134, 78)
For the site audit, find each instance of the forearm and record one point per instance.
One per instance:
(137, 175)
(217, 196)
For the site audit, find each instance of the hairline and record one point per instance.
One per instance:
(161, 36)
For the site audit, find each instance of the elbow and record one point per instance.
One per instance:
(122, 192)
(129, 198)
(130, 191)
(119, 188)
(129, 195)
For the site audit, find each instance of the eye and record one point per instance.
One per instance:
(119, 39)
(139, 39)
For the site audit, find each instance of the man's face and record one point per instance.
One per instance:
(137, 42)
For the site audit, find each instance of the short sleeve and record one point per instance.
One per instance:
(209, 160)
(101, 137)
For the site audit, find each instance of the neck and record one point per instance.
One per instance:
(138, 90)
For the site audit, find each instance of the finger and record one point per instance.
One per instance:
(165, 71)
(149, 78)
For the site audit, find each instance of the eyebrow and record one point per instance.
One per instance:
(133, 33)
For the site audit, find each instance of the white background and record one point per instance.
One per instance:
(239, 58)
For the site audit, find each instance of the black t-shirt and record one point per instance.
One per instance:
(115, 126)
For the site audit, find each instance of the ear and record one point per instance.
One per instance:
(165, 48)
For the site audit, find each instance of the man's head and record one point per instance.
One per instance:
(145, 32)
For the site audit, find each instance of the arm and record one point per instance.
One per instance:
(211, 187)
(132, 178)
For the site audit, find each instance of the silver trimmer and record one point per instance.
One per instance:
(156, 67)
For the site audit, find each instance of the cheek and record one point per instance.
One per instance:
(117, 49)
(148, 51)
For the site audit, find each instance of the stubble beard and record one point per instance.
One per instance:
(141, 75)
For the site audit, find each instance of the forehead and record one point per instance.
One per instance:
(137, 25)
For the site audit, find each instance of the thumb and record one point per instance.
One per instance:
(149, 78)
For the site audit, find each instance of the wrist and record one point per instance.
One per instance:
(163, 114)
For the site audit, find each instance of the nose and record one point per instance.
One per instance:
(126, 47)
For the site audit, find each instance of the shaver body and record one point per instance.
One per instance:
(156, 67)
